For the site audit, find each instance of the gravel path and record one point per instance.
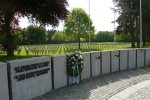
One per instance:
(103, 87)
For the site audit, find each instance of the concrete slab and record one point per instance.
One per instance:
(86, 70)
(105, 62)
(60, 76)
(96, 70)
(30, 77)
(3, 82)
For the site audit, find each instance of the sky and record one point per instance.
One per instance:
(100, 13)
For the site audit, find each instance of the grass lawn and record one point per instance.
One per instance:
(28, 51)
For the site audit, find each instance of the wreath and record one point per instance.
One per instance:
(74, 64)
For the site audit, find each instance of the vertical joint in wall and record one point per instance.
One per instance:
(52, 72)
(90, 64)
(119, 60)
(136, 59)
(100, 63)
(110, 62)
(9, 81)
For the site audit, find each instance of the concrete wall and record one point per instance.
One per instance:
(60, 76)
(147, 55)
(96, 66)
(27, 84)
(123, 59)
(132, 59)
(105, 62)
(140, 57)
(115, 61)
(86, 73)
(4, 93)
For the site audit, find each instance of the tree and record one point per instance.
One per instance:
(44, 12)
(18, 37)
(36, 35)
(128, 20)
(104, 36)
(77, 24)
(123, 38)
(50, 34)
(58, 36)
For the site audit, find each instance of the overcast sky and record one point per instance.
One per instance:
(101, 13)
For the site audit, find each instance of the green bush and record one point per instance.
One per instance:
(104, 36)
(123, 38)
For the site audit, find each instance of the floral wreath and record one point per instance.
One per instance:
(74, 64)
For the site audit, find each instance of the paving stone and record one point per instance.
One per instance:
(142, 94)
(115, 98)
(102, 87)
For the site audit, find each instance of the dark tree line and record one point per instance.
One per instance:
(129, 20)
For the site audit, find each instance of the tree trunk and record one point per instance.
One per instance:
(137, 32)
(144, 38)
(9, 44)
(9, 39)
(138, 38)
(138, 44)
(132, 40)
(79, 40)
(138, 41)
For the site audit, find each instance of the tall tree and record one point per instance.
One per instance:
(58, 37)
(44, 12)
(104, 36)
(77, 24)
(50, 34)
(128, 20)
(35, 35)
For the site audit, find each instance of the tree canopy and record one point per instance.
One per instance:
(104, 36)
(45, 12)
(77, 24)
(35, 35)
(58, 36)
(129, 18)
(50, 34)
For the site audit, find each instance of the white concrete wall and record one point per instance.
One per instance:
(147, 57)
(39, 85)
(106, 62)
(86, 69)
(140, 58)
(4, 94)
(60, 76)
(132, 59)
(123, 59)
(115, 61)
(30, 87)
(95, 64)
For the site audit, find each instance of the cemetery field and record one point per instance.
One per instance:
(26, 51)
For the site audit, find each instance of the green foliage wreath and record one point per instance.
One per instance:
(73, 61)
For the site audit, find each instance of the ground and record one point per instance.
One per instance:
(143, 94)
(102, 87)
(27, 51)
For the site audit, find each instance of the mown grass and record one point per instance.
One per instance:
(61, 49)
